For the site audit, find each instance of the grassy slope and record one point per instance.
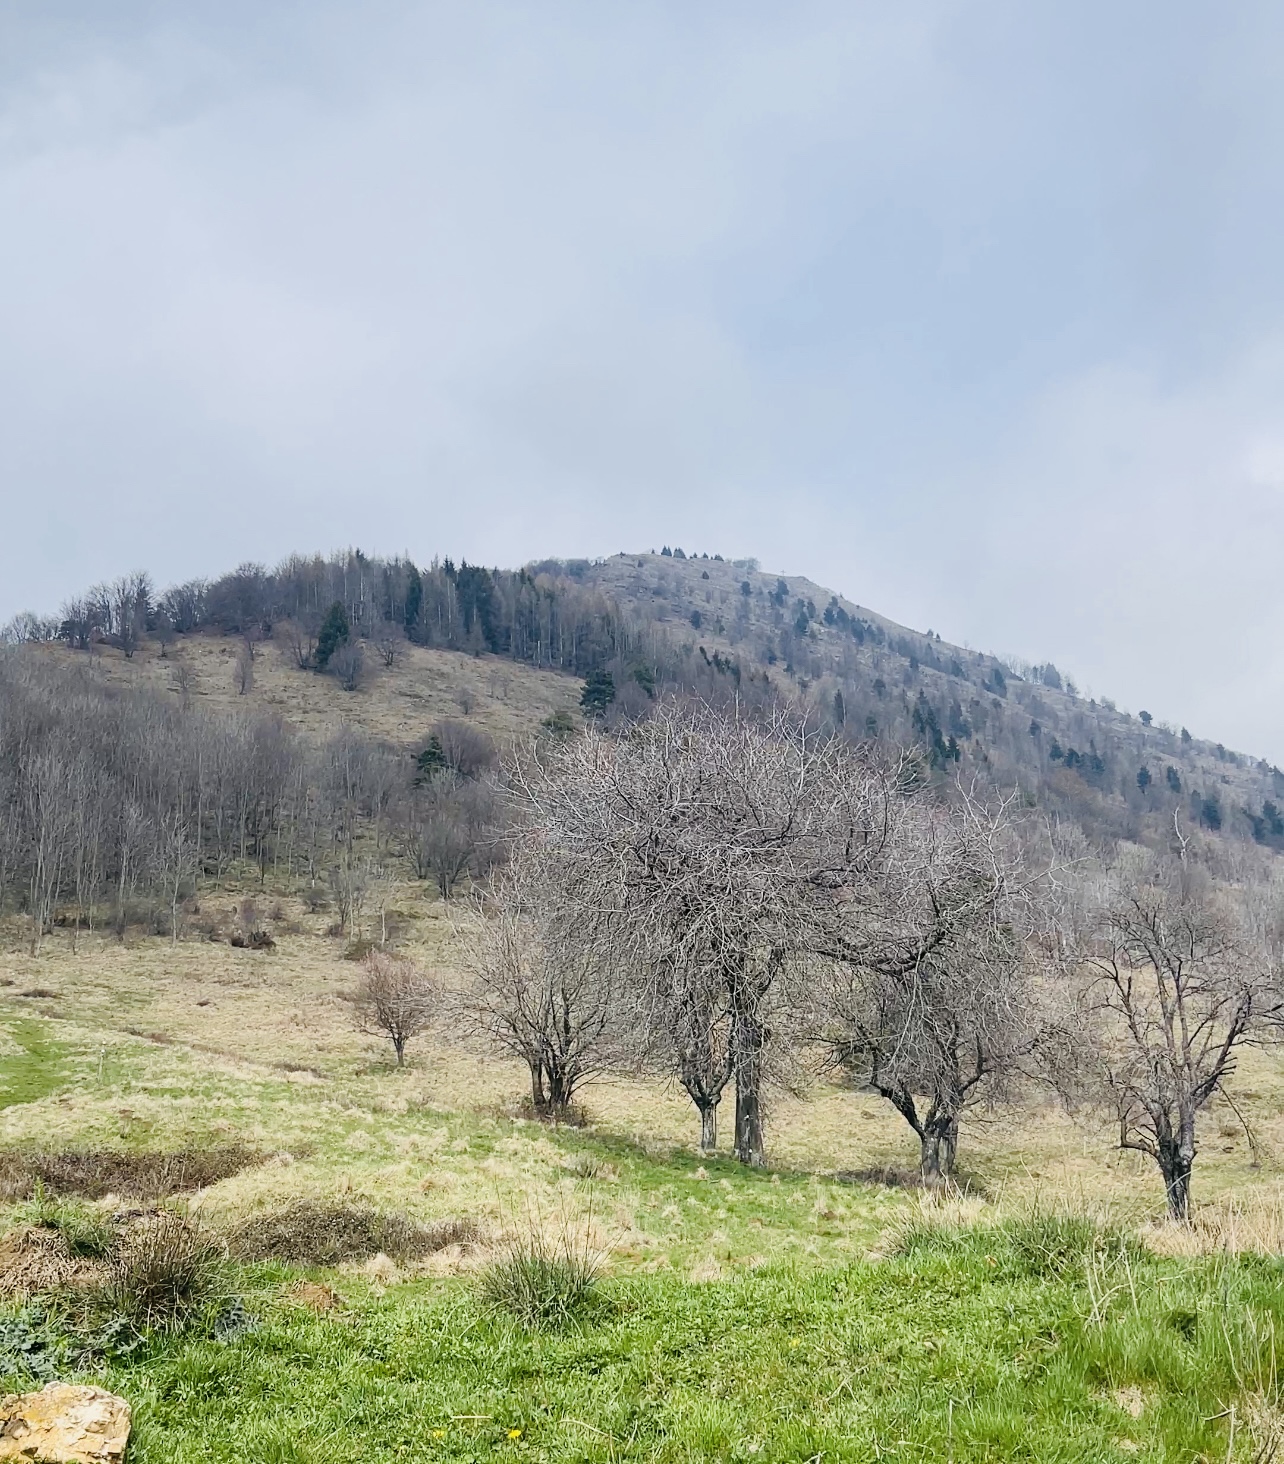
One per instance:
(743, 1314)
(400, 703)
(744, 1317)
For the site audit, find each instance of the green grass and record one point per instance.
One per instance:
(39, 1068)
(978, 1345)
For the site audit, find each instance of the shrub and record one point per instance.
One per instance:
(163, 1272)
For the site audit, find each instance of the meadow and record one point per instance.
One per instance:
(822, 1308)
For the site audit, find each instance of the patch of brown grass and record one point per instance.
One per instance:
(96, 1173)
(1232, 1225)
(37, 1259)
(328, 1235)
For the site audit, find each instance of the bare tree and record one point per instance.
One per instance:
(538, 994)
(175, 860)
(932, 997)
(699, 856)
(449, 829)
(349, 665)
(394, 999)
(389, 640)
(466, 749)
(1174, 983)
(129, 604)
(243, 671)
(349, 884)
(300, 638)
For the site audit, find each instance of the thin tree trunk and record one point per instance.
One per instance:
(747, 1038)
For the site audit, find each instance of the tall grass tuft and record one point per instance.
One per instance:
(543, 1283)
(163, 1272)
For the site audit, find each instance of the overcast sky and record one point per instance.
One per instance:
(973, 312)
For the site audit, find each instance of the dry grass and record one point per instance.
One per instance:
(327, 1235)
(37, 1259)
(505, 698)
(97, 1173)
(1249, 1221)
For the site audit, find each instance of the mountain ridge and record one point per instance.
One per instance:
(724, 628)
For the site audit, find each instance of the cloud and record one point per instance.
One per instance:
(969, 311)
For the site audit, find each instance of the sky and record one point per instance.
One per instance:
(973, 312)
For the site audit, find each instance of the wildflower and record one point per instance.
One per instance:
(514, 1433)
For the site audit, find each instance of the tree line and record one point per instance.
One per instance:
(1003, 722)
(116, 805)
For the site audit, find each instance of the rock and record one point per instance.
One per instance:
(64, 1424)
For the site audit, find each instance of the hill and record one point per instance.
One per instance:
(502, 647)
(205, 822)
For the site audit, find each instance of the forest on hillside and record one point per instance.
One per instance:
(640, 627)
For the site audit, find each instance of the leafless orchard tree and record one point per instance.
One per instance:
(538, 992)
(698, 856)
(932, 998)
(1175, 978)
(394, 999)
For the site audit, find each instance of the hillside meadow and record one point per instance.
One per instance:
(819, 1309)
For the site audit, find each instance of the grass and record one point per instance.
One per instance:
(35, 1065)
(806, 1309)
(965, 1351)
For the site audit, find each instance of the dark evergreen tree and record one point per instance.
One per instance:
(598, 693)
(414, 597)
(1143, 778)
(430, 762)
(334, 632)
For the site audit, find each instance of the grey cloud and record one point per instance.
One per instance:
(970, 311)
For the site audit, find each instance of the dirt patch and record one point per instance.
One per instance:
(327, 1235)
(93, 1173)
(315, 1297)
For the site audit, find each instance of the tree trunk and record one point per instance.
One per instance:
(708, 1126)
(1175, 1164)
(538, 1100)
(748, 1038)
(938, 1143)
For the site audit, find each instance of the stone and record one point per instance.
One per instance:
(64, 1424)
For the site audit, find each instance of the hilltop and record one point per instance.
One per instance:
(508, 649)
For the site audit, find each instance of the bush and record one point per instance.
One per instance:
(543, 1284)
(163, 1272)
